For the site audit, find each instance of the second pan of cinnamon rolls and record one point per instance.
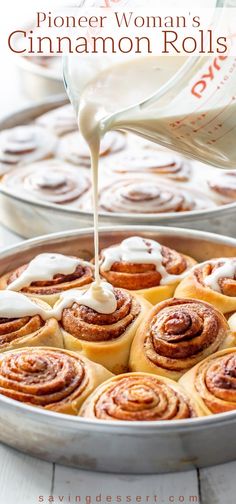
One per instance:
(48, 161)
(149, 196)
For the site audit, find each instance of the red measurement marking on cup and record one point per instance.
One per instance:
(210, 142)
(215, 117)
(179, 123)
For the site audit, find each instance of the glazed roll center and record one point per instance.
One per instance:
(52, 180)
(146, 192)
(21, 142)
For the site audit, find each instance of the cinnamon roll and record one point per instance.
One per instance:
(47, 275)
(144, 266)
(139, 397)
(74, 149)
(223, 186)
(213, 281)
(104, 338)
(24, 145)
(26, 322)
(149, 196)
(49, 378)
(212, 383)
(60, 121)
(176, 335)
(159, 162)
(52, 181)
(232, 325)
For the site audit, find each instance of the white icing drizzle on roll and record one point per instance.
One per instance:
(100, 295)
(136, 250)
(100, 298)
(226, 270)
(45, 267)
(16, 305)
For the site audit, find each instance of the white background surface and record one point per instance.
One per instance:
(23, 479)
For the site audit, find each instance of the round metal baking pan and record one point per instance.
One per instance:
(30, 218)
(116, 446)
(38, 81)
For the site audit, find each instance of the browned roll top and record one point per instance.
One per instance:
(139, 398)
(12, 329)
(85, 323)
(179, 329)
(216, 383)
(143, 276)
(83, 275)
(42, 377)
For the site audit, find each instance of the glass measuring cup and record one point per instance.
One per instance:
(193, 111)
